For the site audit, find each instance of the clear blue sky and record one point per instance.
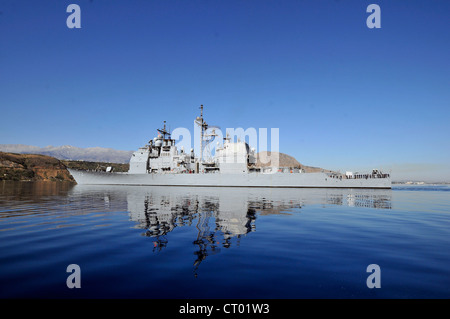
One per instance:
(344, 96)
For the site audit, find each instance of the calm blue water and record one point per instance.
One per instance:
(153, 242)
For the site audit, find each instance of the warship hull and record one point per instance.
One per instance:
(278, 180)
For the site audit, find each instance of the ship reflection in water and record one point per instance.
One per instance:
(222, 216)
(211, 218)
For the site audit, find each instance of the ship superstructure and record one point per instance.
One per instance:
(161, 155)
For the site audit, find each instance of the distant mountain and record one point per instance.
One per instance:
(263, 159)
(67, 152)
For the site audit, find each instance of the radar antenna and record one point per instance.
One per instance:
(164, 132)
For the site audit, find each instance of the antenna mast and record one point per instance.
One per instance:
(163, 131)
(203, 127)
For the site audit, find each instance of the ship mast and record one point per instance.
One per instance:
(203, 127)
(163, 131)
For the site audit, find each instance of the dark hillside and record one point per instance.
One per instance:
(32, 167)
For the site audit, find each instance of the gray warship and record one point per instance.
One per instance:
(234, 164)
